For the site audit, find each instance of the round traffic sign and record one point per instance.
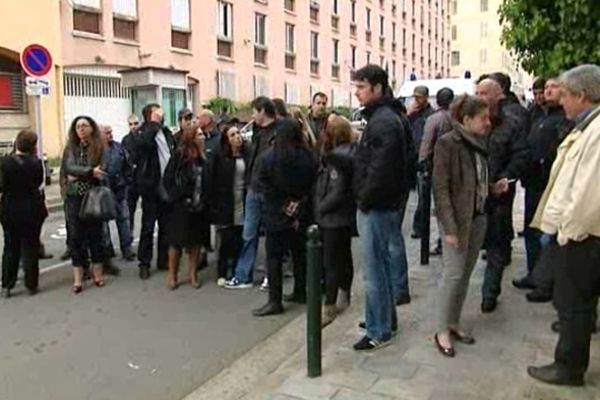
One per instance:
(36, 60)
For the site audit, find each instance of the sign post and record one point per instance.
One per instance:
(36, 61)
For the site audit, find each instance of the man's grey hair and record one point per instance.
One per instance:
(583, 80)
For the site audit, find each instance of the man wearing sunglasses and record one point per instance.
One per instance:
(129, 144)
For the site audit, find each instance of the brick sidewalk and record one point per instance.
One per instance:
(508, 340)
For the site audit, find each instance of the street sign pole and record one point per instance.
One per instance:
(38, 130)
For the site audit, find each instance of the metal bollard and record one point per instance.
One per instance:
(313, 303)
(426, 220)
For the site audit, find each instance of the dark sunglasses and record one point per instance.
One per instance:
(188, 117)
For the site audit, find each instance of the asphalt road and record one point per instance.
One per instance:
(131, 340)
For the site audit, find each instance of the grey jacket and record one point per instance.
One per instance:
(436, 125)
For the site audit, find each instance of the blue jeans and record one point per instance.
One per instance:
(399, 260)
(123, 227)
(252, 221)
(376, 230)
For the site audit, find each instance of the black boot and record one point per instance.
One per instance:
(488, 305)
(552, 375)
(539, 296)
(268, 309)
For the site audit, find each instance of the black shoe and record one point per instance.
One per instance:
(437, 251)
(367, 344)
(144, 272)
(45, 256)
(110, 269)
(556, 327)
(488, 305)
(129, 255)
(550, 374)
(363, 325)
(539, 296)
(5, 293)
(415, 235)
(268, 309)
(447, 351)
(403, 299)
(295, 298)
(484, 255)
(33, 291)
(524, 283)
(66, 255)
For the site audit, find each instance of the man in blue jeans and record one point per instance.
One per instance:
(380, 184)
(263, 133)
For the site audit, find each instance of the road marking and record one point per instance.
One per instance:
(55, 266)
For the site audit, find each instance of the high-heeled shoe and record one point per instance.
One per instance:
(447, 351)
(77, 289)
(99, 283)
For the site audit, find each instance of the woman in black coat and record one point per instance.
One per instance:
(335, 212)
(228, 192)
(22, 213)
(286, 173)
(186, 182)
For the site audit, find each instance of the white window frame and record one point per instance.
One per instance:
(290, 38)
(314, 46)
(180, 15)
(126, 8)
(225, 20)
(258, 18)
(96, 4)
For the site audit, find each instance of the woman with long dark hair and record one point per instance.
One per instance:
(186, 183)
(22, 213)
(85, 153)
(228, 194)
(286, 174)
(460, 191)
(335, 212)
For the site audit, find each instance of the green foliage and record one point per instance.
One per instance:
(221, 105)
(549, 36)
(343, 111)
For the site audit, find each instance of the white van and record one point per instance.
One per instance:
(458, 85)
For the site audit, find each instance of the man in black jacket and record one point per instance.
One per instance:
(380, 187)
(155, 146)
(507, 160)
(542, 142)
(129, 143)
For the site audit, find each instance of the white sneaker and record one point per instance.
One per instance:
(235, 284)
(264, 287)
(221, 282)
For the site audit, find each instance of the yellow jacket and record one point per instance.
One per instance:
(570, 205)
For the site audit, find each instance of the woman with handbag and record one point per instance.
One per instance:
(186, 182)
(84, 155)
(22, 213)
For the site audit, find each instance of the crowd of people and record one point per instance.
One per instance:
(299, 169)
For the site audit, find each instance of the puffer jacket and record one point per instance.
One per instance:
(334, 204)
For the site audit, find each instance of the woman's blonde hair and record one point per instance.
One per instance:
(338, 131)
(297, 114)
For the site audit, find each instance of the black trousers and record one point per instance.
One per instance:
(229, 249)
(277, 244)
(153, 211)
(499, 236)
(132, 200)
(83, 235)
(21, 243)
(337, 261)
(576, 291)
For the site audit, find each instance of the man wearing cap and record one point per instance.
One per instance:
(418, 113)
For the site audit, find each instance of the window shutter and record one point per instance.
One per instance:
(88, 3)
(127, 8)
(180, 14)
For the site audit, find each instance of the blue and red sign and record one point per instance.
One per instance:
(36, 60)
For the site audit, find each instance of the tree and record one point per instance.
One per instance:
(549, 36)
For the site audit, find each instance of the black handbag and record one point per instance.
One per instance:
(98, 205)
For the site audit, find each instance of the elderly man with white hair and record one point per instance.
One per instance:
(570, 211)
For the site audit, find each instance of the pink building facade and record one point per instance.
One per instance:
(120, 54)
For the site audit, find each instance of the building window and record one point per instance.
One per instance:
(455, 58)
(224, 29)
(314, 53)
(394, 32)
(180, 24)
(289, 5)
(261, 86)
(453, 7)
(353, 57)
(290, 46)
(336, 8)
(394, 70)
(335, 66)
(483, 56)
(226, 86)
(314, 12)
(368, 57)
(368, 21)
(454, 33)
(381, 61)
(381, 25)
(173, 100)
(260, 39)
(125, 19)
(292, 94)
(403, 37)
(353, 11)
(484, 29)
(484, 6)
(12, 89)
(87, 21)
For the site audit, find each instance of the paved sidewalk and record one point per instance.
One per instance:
(515, 336)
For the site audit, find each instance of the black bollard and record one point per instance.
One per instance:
(313, 301)
(426, 217)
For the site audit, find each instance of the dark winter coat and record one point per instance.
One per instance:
(334, 204)
(417, 124)
(118, 169)
(223, 176)
(380, 173)
(148, 177)
(261, 139)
